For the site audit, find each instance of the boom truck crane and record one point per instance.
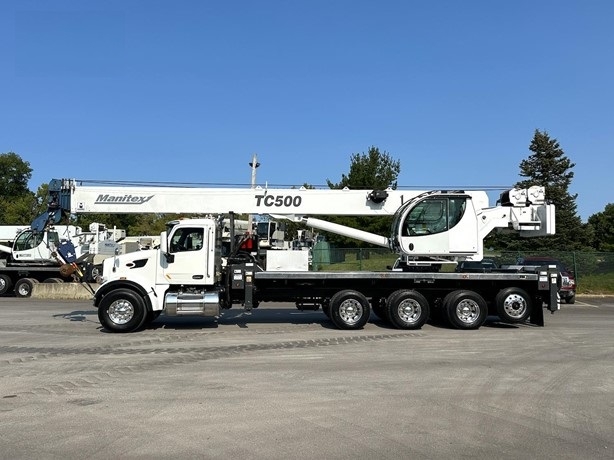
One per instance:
(28, 257)
(186, 275)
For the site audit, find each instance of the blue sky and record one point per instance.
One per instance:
(188, 91)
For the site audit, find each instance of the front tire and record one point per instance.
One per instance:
(465, 309)
(349, 309)
(407, 309)
(122, 310)
(513, 305)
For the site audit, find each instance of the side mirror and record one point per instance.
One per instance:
(170, 258)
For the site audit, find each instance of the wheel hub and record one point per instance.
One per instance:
(351, 311)
(409, 311)
(467, 311)
(514, 305)
(121, 311)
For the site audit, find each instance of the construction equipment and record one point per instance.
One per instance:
(187, 276)
(57, 254)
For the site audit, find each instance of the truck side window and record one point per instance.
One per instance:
(187, 239)
(428, 217)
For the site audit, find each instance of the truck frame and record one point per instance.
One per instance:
(188, 276)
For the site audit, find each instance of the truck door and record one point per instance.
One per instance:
(440, 224)
(191, 251)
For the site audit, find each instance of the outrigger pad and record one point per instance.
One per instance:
(67, 251)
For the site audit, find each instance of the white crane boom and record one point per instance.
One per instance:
(447, 224)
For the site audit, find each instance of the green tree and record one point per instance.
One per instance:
(548, 166)
(373, 170)
(17, 202)
(602, 224)
(14, 175)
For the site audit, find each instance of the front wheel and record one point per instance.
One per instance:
(465, 309)
(349, 309)
(122, 310)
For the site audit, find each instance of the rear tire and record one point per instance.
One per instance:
(6, 284)
(513, 305)
(53, 280)
(24, 287)
(407, 309)
(349, 309)
(122, 310)
(465, 309)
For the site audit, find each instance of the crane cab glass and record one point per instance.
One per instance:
(433, 215)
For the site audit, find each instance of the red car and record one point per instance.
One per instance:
(568, 285)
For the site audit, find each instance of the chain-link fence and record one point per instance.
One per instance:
(594, 271)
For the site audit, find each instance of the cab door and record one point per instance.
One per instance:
(192, 256)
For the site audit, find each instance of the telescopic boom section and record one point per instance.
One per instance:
(426, 223)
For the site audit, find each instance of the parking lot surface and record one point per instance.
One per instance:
(281, 383)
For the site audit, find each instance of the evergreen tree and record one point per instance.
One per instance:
(549, 167)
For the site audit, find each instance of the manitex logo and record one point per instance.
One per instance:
(122, 199)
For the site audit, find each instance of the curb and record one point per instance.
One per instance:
(68, 291)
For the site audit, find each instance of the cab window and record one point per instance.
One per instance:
(434, 215)
(187, 239)
(28, 240)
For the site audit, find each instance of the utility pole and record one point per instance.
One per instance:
(254, 164)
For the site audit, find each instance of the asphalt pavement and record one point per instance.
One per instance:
(281, 383)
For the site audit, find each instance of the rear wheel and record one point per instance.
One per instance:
(53, 280)
(407, 309)
(349, 309)
(122, 310)
(5, 284)
(24, 287)
(465, 309)
(513, 305)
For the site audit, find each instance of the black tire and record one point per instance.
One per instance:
(122, 310)
(349, 309)
(513, 305)
(6, 284)
(53, 280)
(407, 309)
(378, 307)
(465, 309)
(570, 299)
(24, 287)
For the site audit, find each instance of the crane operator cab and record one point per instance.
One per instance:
(436, 223)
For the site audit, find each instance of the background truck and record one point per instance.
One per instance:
(28, 257)
(188, 275)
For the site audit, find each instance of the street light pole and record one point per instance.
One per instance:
(254, 164)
